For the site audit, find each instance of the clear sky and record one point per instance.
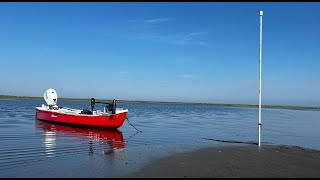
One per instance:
(189, 52)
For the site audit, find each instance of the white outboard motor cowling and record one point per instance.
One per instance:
(50, 96)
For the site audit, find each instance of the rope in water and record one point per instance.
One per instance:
(132, 124)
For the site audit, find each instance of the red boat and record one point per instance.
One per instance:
(110, 117)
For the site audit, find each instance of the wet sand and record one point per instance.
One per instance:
(236, 161)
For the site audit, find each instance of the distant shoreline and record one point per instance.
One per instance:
(8, 97)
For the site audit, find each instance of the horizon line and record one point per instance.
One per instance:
(12, 97)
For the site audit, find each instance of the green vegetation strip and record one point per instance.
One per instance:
(8, 97)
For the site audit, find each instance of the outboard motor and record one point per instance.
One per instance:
(51, 98)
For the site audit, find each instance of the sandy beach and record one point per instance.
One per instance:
(236, 162)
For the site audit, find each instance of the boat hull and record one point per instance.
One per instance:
(106, 121)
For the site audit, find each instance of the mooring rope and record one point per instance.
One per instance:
(132, 124)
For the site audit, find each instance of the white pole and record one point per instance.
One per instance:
(261, 14)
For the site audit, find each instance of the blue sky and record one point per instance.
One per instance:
(189, 52)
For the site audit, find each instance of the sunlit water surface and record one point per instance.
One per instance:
(32, 148)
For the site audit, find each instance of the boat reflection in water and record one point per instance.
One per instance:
(107, 140)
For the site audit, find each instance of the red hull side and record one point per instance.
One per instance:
(113, 121)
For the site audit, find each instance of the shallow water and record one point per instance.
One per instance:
(32, 148)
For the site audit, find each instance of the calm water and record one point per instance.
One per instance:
(32, 148)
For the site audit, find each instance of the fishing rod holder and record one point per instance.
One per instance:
(110, 107)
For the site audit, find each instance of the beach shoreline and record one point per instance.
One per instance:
(250, 161)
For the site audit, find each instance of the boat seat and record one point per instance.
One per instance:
(85, 111)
